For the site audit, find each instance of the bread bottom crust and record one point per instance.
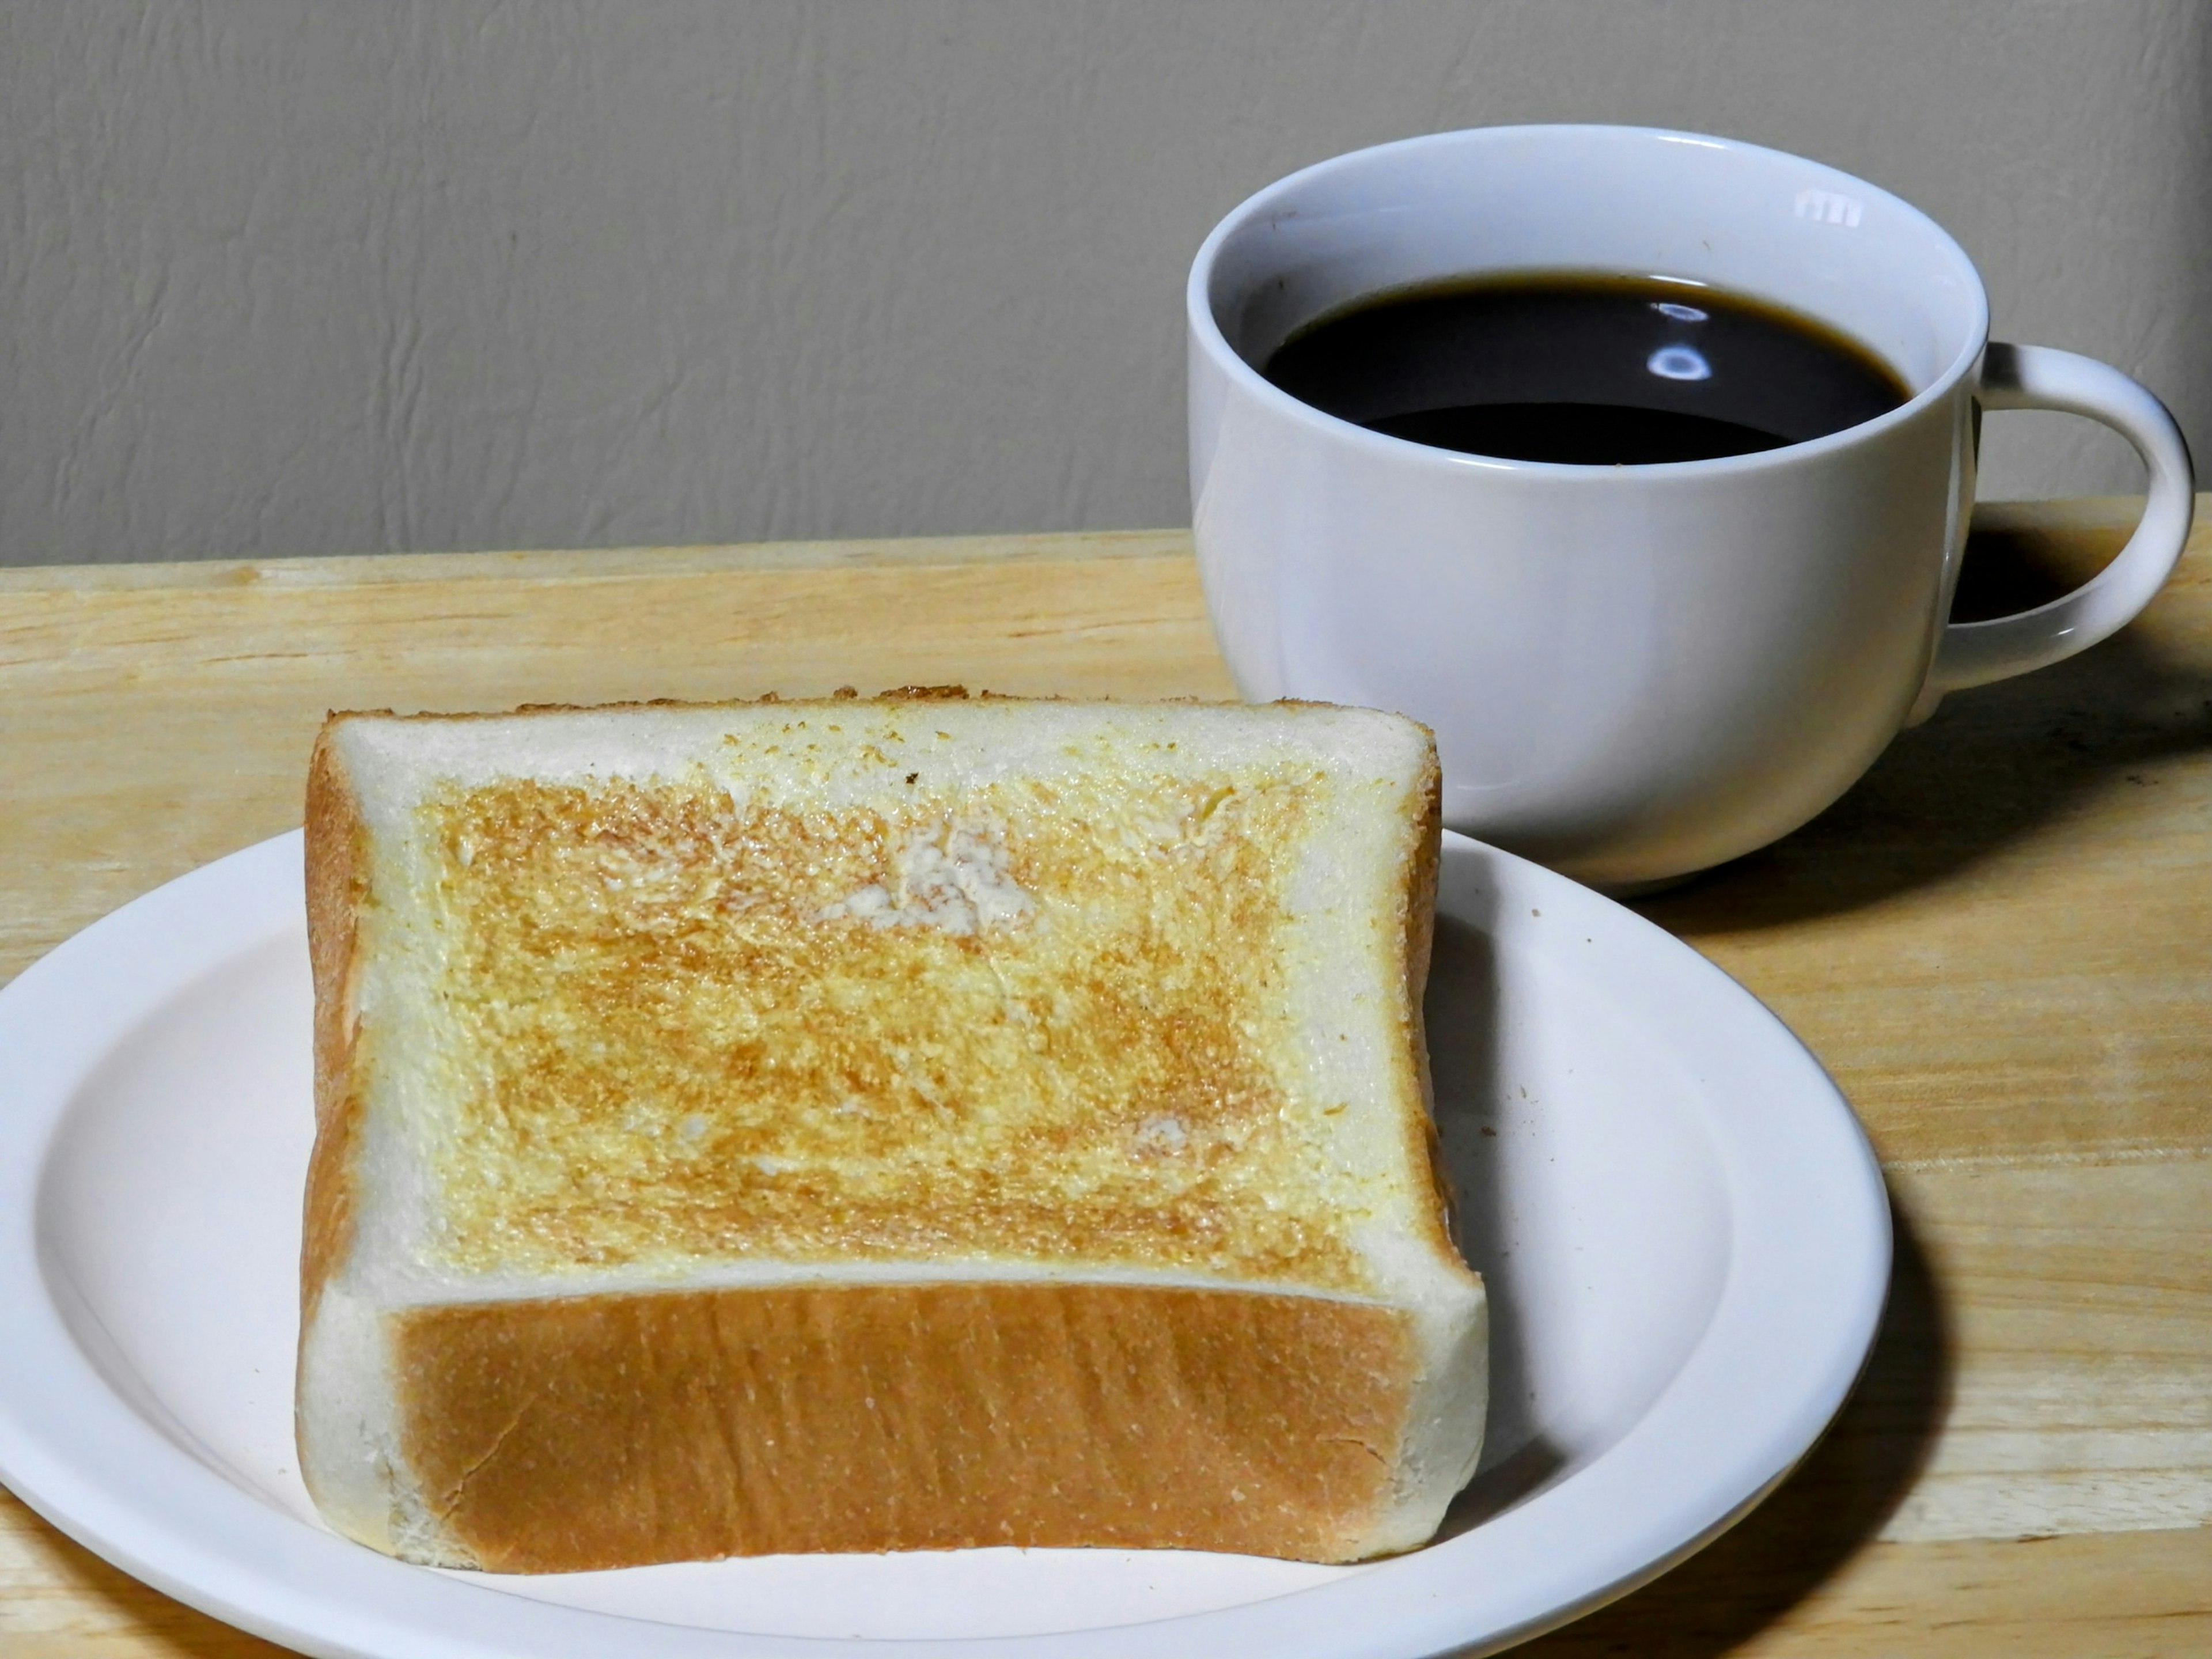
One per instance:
(559, 1436)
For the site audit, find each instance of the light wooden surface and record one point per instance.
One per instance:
(2001, 943)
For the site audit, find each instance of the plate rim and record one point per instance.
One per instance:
(81, 1456)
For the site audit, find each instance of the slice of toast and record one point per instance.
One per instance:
(906, 1123)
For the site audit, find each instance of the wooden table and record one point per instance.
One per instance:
(2001, 943)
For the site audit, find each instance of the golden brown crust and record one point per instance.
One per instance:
(1423, 860)
(563, 1435)
(336, 879)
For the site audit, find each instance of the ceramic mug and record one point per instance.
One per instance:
(1633, 672)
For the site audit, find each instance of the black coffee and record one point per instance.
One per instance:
(1594, 370)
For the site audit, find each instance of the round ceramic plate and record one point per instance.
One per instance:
(1683, 1230)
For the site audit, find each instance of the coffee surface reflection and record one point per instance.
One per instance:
(1587, 369)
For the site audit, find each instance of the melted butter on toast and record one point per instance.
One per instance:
(1039, 1019)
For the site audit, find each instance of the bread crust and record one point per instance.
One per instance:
(599, 1431)
(337, 880)
(561, 1434)
(1423, 854)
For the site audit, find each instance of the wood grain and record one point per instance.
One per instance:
(2000, 942)
(2072, 1368)
(1755, 1595)
(148, 728)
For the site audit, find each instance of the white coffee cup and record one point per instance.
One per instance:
(1633, 672)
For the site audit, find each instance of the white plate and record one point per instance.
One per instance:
(1684, 1231)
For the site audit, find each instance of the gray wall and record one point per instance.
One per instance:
(294, 277)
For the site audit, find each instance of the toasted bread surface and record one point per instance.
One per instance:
(794, 1026)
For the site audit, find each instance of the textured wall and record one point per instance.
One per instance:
(298, 277)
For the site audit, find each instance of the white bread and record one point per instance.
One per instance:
(900, 1123)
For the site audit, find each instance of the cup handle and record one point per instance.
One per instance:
(2040, 377)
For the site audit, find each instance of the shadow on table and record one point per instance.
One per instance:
(1993, 765)
(1836, 1502)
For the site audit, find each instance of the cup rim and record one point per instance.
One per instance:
(1205, 331)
